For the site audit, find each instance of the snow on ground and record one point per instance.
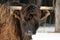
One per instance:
(46, 33)
(46, 28)
(46, 36)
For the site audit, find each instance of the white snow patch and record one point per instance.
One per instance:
(45, 29)
(46, 36)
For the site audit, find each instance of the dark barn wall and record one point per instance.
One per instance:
(24, 1)
(47, 2)
(37, 2)
(28, 1)
(3, 1)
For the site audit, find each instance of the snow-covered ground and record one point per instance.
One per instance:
(46, 28)
(46, 33)
(46, 36)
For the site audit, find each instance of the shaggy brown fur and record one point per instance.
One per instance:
(8, 25)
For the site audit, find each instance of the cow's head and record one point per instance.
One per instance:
(30, 16)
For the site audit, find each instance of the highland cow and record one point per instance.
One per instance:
(21, 24)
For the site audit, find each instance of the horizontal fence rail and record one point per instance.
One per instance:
(20, 7)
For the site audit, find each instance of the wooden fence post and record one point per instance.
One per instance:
(57, 16)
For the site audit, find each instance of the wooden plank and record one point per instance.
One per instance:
(15, 7)
(20, 7)
(57, 15)
(46, 8)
